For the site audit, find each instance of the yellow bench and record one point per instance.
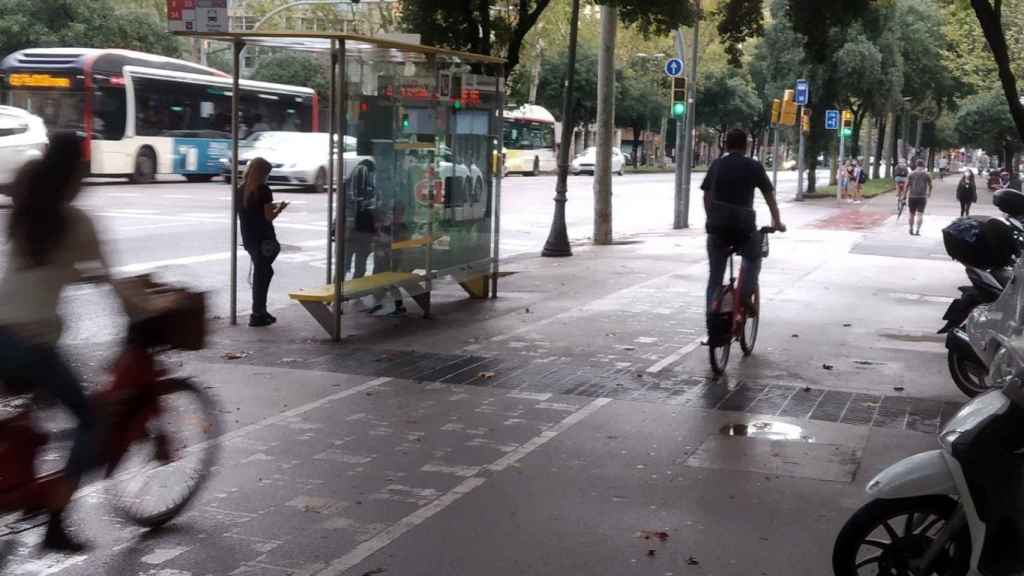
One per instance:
(317, 301)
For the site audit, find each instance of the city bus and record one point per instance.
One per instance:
(529, 140)
(142, 115)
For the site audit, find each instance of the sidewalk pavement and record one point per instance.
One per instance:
(571, 426)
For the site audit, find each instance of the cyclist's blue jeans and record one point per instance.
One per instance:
(42, 366)
(718, 259)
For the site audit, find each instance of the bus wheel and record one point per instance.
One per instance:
(145, 167)
(536, 167)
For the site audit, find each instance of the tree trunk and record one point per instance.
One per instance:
(876, 170)
(867, 144)
(485, 26)
(858, 122)
(990, 18)
(526, 21)
(636, 146)
(605, 126)
(889, 127)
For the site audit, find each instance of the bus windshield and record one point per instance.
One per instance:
(521, 135)
(59, 110)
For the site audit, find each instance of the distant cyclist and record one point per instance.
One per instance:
(901, 175)
(731, 220)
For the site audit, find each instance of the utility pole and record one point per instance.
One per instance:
(557, 244)
(800, 159)
(605, 126)
(684, 130)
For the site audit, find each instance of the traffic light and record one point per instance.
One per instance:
(776, 111)
(456, 93)
(678, 98)
(405, 123)
(788, 117)
(847, 123)
(805, 121)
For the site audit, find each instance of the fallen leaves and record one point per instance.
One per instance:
(828, 367)
(235, 355)
(659, 535)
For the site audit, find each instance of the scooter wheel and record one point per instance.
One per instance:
(969, 377)
(887, 536)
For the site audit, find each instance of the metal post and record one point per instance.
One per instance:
(775, 159)
(689, 122)
(557, 244)
(496, 205)
(341, 107)
(605, 125)
(842, 144)
(330, 160)
(800, 157)
(236, 52)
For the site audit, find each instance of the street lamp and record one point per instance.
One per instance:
(557, 245)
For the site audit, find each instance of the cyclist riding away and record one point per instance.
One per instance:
(731, 220)
(901, 174)
(52, 244)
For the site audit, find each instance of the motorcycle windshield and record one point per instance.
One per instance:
(1002, 317)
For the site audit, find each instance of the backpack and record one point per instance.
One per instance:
(862, 178)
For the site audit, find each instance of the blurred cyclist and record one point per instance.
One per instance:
(52, 244)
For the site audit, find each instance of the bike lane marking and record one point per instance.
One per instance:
(395, 531)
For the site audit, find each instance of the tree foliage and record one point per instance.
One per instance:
(295, 69)
(725, 100)
(984, 122)
(499, 27)
(94, 24)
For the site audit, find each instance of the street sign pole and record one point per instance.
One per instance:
(800, 160)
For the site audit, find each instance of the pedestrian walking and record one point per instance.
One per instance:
(843, 180)
(256, 214)
(943, 167)
(966, 193)
(919, 190)
(860, 176)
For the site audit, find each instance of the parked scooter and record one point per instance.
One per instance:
(969, 357)
(956, 510)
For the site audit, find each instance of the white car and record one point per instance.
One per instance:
(587, 162)
(296, 158)
(22, 138)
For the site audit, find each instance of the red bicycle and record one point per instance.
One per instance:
(730, 319)
(158, 440)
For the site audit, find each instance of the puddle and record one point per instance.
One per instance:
(768, 429)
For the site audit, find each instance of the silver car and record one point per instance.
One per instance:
(22, 138)
(296, 158)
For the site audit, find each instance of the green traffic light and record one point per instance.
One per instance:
(457, 105)
(678, 109)
(847, 132)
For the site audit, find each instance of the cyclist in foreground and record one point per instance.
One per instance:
(731, 219)
(52, 244)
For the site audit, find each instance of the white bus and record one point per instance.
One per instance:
(143, 115)
(529, 141)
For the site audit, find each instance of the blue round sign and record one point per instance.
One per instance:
(674, 68)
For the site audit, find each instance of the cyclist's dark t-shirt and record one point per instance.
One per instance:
(737, 177)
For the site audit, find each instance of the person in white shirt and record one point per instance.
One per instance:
(52, 244)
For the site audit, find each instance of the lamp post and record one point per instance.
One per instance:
(557, 245)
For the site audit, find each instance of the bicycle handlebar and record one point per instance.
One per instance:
(768, 230)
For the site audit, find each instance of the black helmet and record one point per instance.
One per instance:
(1009, 201)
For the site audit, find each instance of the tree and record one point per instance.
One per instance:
(95, 24)
(859, 67)
(499, 27)
(990, 16)
(967, 54)
(295, 69)
(642, 99)
(985, 122)
(726, 101)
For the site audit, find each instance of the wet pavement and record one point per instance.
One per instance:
(570, 426)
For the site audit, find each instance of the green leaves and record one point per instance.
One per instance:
(984, 121)
(295, 69)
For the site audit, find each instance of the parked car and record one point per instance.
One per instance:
(22, 138)
(587, 161)
(296, 158)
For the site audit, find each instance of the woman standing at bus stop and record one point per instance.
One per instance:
(256, 213)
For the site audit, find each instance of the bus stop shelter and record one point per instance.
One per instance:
(414, 193)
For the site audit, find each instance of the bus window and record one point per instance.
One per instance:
(59, 110)
(110, 113)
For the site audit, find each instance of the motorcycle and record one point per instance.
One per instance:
(952, 511)
(978, 311)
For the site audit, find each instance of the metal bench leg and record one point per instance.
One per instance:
(323, 315)
(423, 301)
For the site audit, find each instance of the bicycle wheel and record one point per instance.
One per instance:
(748, 336)
(159, 476)
(719, 356)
